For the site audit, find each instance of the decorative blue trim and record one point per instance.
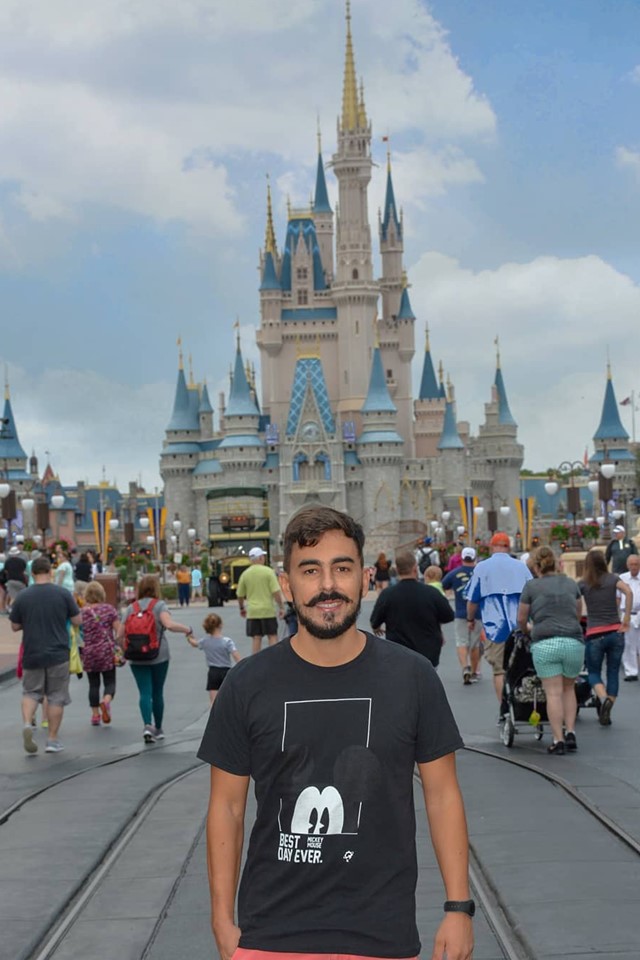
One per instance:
(309, 313)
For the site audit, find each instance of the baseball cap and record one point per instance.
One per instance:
(427, 541)
(618, 529)
(257, 552)
(468, 553)
(500, 540)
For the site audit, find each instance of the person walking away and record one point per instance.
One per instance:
(15, 571)
(632, 635)
(150, 676)
(618, 549)
(330, 725)
(494, 590)
(83, 569)
(259, 587)
(63, 576)
(218, 650)
(183, 579)
(455, 560)
(433, 578)
(100, 629)
(412, 612)
(468, 634)
(605, 631)
(553, 604)
(382, 575)
(196, 582)
(427, 555)
(43, 612)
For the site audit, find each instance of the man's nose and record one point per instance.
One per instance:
(327, 579)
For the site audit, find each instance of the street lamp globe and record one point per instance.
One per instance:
(114, 524)
(446, 515)
(174, 539)
(151, 539)
(177, 526)
(593, 487)
(601, 521)
(460, 529)
(5, 490)
(607, 470)
(57, 500)
(144, 523)
(191, 533)
(434, 524)
(551, 488)
(617, 514)
(28, 503)
(478, 511)
(505, 510)
(4, 533)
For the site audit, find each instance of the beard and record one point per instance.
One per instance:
(332, 627)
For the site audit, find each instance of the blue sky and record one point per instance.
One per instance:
(134, 141)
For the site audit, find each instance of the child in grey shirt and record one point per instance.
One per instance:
(218, 650)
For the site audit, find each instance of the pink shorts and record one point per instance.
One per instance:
(242, 954)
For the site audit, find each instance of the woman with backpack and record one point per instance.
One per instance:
(147, 650)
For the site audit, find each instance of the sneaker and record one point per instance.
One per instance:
(557, 747)
(474, 678)
(466, 676)
(53, 746)
(570, 741)
(27, 739)
(45, 724)
(105, 710)
(149, 734)
(605, 712)
(95, 720)
(631, 678)
(159, 733)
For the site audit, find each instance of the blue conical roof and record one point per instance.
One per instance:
(240, 401)
(10, 448)
(429, 389)
(610, 423)
(205, 403)
(390, 209)
(405, 312)
(450, 438)
(181, 418)
(269, 277)
(504, 413)
(442, 393)
(321, 202)
(378, 398)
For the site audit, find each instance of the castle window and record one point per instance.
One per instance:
(389, 374)
(302, 273)
(303, 297)
(354, 275)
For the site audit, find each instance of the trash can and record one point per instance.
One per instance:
(111, 584)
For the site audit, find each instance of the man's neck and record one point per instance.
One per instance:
(328, 653)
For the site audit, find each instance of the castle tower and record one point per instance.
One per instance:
(205, 414)
(241, 451)
(429, 408)
(380, 451)
(397, 347)
(355, 292)
(611, 440)
(391, 250)
(323, 217)
(181, 448)
(12, 455)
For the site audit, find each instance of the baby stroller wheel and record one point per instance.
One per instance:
(508, 732)
(539, 732)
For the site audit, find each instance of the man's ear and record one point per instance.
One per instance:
(365, 582)
(283, 579)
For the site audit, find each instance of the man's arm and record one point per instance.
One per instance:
(608, 551)
(448, 828)
(377, 614)
(523, 616)
(279, 599)
(444, 611)
(225, 833)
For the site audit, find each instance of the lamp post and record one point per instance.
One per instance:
(605, 494)
(569, 467)
(177, 527)
(191, 533)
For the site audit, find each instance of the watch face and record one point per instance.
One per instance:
(310, 431)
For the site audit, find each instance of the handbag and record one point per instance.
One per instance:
(75, 663)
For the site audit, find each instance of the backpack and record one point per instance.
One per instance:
(141, 641)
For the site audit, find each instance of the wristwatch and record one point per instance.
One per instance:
(460, 906)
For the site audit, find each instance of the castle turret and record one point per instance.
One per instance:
(323, 217)
(12, 456)
(181, 448)
(391, 250)
(611, 440)
(429, 408)
(205, 414)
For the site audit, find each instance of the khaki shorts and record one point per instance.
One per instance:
(50, 682)
(494, 655)
(464, 636)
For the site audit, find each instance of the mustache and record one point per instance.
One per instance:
(325, 597)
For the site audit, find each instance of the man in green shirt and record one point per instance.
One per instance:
(259, 586)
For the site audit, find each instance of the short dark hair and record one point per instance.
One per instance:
(310, 523)
(41, 565)
(405, 562)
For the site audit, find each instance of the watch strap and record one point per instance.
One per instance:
(460, 906)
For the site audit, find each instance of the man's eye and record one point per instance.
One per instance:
(344, 569)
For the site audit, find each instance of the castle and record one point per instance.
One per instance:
(337, 422)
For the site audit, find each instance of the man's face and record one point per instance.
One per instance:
(326, 584)
(633, 565)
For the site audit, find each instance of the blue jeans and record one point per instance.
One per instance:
(184, 593)
(150, 678)
(611, 646)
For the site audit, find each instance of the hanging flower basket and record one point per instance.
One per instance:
(559, 532)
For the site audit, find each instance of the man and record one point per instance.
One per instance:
(427, 555)
(618, 549)
(494, 590)
(412, 611)
(632, 635)
(330, 724)
(259, 585)
(196, 582)
(468, 634)
(43, 612)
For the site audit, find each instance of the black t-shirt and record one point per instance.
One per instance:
(15, 568)
(331, 865)
(412, 613)
(44, 610)
(83, 571)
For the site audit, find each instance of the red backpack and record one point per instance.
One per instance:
(141, 634)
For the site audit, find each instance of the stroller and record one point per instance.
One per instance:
(524, 705)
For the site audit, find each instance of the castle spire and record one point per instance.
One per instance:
(390, 208)
(353, 111)
(240, 401)
(504, 413)
(321, 200)
(7, 392)
(610, 427)
(180, 357)
(270, 235)
(450, 438)
(429, 389)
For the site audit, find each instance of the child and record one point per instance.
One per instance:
(433, 576)
(218, 651)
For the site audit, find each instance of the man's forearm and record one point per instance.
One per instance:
(448, 827)
(225, 834)
(472, 609)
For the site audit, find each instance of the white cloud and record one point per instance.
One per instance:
(629, 159)
(554, 318)
(634, 75)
